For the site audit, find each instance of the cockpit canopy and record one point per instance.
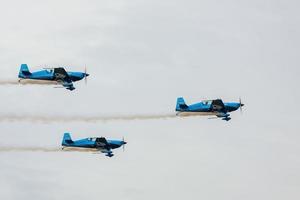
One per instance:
(92, 139)
(50, 71)
(207, 102)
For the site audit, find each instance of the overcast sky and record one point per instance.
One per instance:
(142, 55)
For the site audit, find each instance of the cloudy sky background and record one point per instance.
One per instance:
(141, 56)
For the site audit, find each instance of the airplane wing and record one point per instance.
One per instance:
(103, 146)
(218, 106)
(62, 77)
(101, 142)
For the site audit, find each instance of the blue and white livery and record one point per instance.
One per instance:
(54, 75)
(210, 107)
(92, 143)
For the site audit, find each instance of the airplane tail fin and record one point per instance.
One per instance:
(181, 105)
(24, 70)
(67, 139)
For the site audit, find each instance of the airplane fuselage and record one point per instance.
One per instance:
(89, 143)
(207, 109)
(49, 75)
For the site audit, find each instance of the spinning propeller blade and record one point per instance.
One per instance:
(85, 75)
(241, 105)
(123, 144)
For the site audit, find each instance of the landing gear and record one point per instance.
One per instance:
(110, 155)
(226, 118)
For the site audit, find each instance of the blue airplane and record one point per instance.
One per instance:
(210, 107)
(55, 75)
(92, 143)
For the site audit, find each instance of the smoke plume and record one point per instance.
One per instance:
(91, 119)
(27, 82)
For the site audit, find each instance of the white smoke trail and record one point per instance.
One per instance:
(27, 82)
(6, 149)
(9, 82)
(28, 149)
(91, 119)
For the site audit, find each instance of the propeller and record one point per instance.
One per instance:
(85, 75)
(241, 105)
(124, 144)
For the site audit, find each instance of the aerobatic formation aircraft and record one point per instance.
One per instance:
(210, 107)
(92, 143)
(55, 75)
